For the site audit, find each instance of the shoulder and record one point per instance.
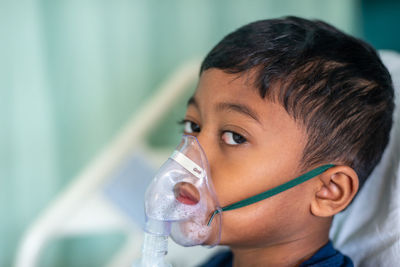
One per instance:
(328, 256)
(220, 259)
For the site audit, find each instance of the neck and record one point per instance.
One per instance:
(288, 253)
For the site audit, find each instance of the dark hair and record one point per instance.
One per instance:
(333, 83)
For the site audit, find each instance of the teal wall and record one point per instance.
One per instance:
(380, 23)
(72, 73)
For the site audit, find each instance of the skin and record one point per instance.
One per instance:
(253, 145)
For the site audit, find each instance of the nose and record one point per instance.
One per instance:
(209, 147)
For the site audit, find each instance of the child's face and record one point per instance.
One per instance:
(252, 145)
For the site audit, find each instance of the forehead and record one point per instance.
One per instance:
(217, 87)
(221, 85)
(219, 91)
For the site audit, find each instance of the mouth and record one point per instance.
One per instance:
(186, 193)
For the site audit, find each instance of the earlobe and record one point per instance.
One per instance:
(335, 189)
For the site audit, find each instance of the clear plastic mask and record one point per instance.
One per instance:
(183, 198)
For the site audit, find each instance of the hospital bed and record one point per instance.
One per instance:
(108, 194)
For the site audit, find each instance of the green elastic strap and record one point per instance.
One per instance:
(276, 190)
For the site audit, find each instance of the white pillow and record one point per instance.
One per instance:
(369, 229)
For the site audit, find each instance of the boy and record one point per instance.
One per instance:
(275, 99)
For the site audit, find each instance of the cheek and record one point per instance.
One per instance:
(234, 182)
(245, 173)
(267, 222)
(237, 179)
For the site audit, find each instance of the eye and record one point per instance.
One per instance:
(232, 138)
(190, 127)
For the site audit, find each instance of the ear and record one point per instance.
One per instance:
(335, 190)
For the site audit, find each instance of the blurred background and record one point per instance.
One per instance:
(73, 72)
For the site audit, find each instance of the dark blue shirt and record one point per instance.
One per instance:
(327, 256)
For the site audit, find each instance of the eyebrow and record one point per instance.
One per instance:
(192, 101)
(241, 108)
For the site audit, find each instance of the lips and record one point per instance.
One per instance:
(186, 193)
